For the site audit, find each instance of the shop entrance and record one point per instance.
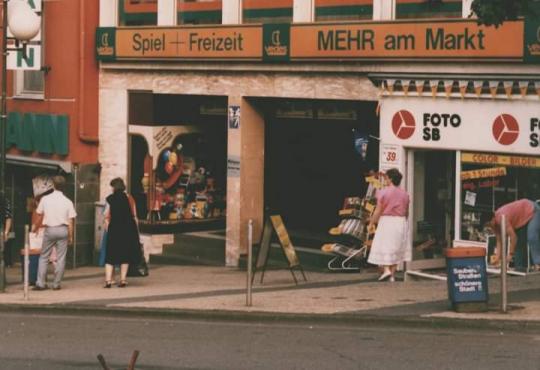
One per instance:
(311, 163)
(433, 203)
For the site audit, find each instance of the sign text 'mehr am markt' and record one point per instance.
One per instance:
(461, 39)
(397, 40)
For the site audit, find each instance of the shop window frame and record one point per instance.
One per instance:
(21, 91)
(199, 12)
(422, 9)
(511, 170)
(146, 15)
(262, 11)
(336, 10)
(21, 77)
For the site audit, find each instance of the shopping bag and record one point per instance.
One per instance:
(103, 249)
(139, 269)
(35, 240)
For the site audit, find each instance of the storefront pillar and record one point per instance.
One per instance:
(113, 137)
(245, 177)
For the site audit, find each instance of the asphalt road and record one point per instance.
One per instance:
(29, 341)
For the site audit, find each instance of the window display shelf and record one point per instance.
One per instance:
(180, 226)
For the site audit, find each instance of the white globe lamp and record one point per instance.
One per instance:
(23, 22)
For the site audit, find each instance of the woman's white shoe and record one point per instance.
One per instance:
(385, 275)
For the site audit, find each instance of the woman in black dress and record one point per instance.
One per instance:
(123, 245)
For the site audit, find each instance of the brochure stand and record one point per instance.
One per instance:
(352, 251)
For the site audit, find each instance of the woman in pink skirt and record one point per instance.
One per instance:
(389, 247)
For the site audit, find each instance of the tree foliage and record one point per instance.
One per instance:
(495, 12)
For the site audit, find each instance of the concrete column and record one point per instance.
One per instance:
(108, 13)
(231, 11)
(113, 137)
(245, 192)
(166, 12)
(466, 8)
(384, 10)
(304, 11)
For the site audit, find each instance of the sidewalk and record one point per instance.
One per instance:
(220, 292)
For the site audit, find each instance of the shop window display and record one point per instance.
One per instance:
(182, 180)
(488, 181)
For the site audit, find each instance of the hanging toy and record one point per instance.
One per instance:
(173, 158)
(166, 155)
(169, 168)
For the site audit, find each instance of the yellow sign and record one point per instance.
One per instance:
(190, 42)
(483, 173)
(285, 240)
(504, 160)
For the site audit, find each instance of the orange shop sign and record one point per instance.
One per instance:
(397, 40)
(445, 40)
(190, 43)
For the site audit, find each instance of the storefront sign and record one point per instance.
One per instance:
(458, 125)
(233, 166)
(243, 42)
(532, 35)
(444, 40)
(483, 173)
(234, 116)
(449, 40)
(390, 157)
(106, 43)
(505, 160)
(276, 42)
(43, 133)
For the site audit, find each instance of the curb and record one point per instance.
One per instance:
(356, 319)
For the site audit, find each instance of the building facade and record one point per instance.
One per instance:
(266, 99)
(53, 116)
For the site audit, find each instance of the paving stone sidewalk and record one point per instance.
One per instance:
(221, 291)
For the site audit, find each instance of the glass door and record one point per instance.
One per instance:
(433, 198)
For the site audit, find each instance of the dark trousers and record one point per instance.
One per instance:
(8, 258)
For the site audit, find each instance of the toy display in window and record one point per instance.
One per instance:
(184, 187)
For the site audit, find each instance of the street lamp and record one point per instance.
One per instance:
(24, 25)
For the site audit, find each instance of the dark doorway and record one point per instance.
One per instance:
(311, 164)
